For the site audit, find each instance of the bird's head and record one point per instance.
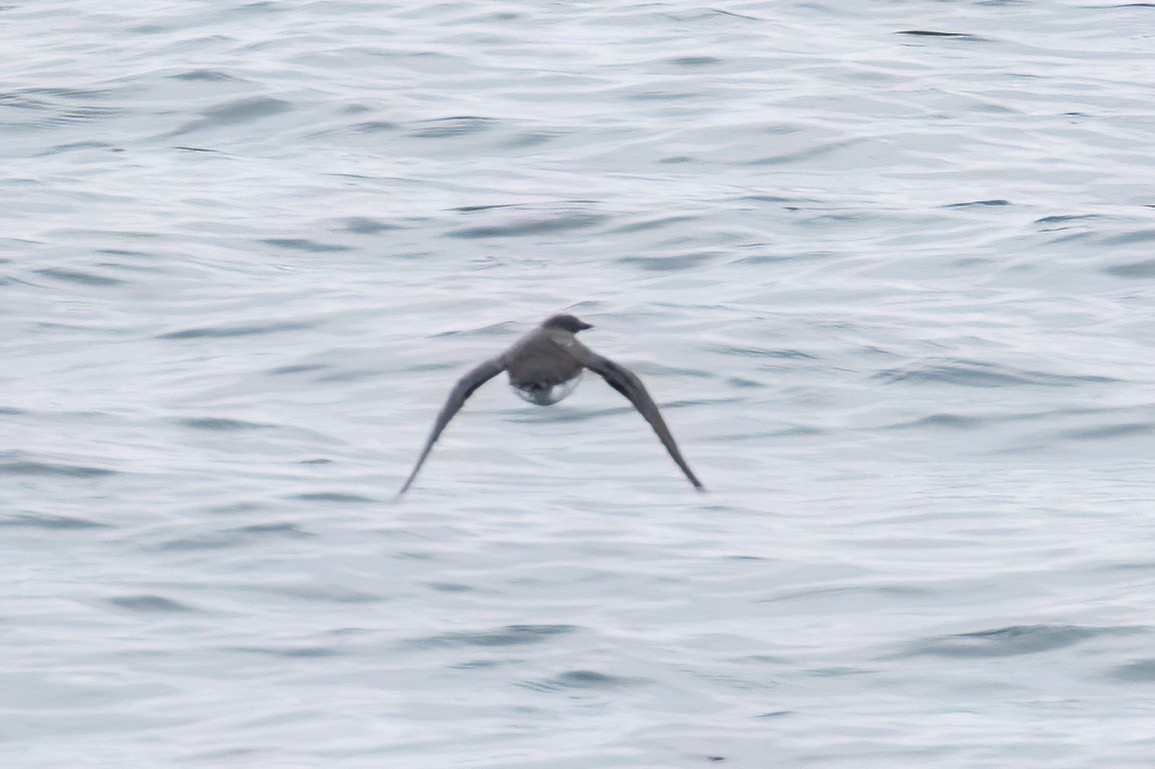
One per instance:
(567, 323)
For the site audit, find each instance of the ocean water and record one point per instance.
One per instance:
(888, 268)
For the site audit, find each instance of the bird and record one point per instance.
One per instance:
(545, 366)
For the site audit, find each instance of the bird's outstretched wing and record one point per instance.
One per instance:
(457, 397)
(627, 383)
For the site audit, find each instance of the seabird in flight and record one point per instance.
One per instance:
(545, 366)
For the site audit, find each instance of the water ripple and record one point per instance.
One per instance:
(969, 373)
(581, 680)
(149, 604)
(446, 127)
(302, 244)
(562, 222)
(236, 112)
(234, 331)
(55, 522)
(79, 277)
(510, 635)
(1140, 269)
(12, 464)
(1012, 641)
(220, 424)
(1139, 671)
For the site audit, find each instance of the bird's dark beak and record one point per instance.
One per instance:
(585, 325)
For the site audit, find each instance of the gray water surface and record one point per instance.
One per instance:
(887, 266)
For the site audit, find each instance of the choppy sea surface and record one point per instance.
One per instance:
(888, 267)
